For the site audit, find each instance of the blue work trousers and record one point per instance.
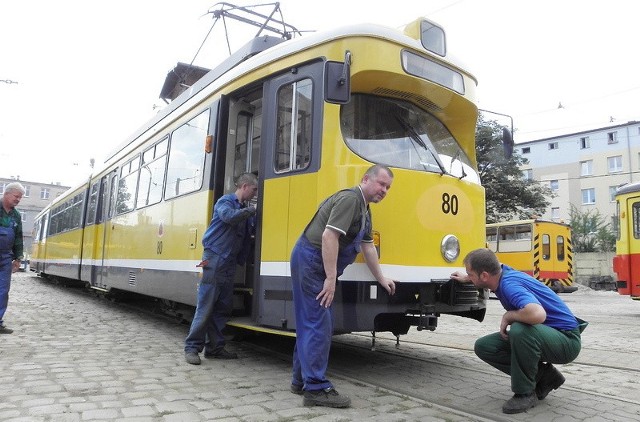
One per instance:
(7, 238)
(215, 303)
(314, 323)
(6, 263)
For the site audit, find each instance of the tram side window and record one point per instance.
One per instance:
(492, 238)
(515, 238)
(68, 215)
(37, 229)
(636, 220)
(92, 207)
(151, 180)
(127, 186)
(293, 133)
(560, 247)
(546, 247)
(186, 157)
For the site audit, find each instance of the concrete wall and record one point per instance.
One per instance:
(595, 269)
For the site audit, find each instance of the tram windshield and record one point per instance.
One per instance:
(399, 134)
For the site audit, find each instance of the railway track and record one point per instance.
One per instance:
(440, 370)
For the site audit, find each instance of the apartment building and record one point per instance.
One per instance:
(37, 196)
(584, 168)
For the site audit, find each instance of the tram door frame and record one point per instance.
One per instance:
(272, 298)
(242, 146)
(108, 192)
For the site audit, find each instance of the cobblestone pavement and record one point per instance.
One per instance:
(77, 357)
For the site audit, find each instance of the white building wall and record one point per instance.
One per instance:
(560, 158)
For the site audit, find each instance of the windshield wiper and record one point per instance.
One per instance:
(453, 159)
(413, 134)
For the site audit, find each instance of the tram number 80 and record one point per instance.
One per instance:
(449, 204)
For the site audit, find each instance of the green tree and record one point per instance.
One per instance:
(590, 231)
(508, 194)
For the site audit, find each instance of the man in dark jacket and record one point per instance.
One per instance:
(225, 244)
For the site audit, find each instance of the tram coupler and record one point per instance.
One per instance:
(427, 322)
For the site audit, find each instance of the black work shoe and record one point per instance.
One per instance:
(5, 330)
(222, 354)
(549, 378)
(297, 389)
(192, 358)
(519, 403)
(327, 397)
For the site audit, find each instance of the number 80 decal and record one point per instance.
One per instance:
(449, 204)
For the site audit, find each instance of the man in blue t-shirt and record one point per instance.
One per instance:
(537, 330)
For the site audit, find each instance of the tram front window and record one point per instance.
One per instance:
(399, 134)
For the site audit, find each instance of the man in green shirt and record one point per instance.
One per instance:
(340, 229)
(11, 244)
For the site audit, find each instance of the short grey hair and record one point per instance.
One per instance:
(248, 178)
(15, 186)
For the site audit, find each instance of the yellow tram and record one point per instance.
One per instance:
(308, 115)
(537, 247)
(626, 263)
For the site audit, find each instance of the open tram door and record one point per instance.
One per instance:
(238, 152)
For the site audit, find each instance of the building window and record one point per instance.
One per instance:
(588, 196)
(584, 143)
(553, 145)
(526, 150)
(553, 184)
(586, 168)
(615, 164)
(27, 190)
(612, 138)
(612, 193)
(527, 174)
(555, 213)
(44, 193)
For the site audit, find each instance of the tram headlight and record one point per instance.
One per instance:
(450, 248)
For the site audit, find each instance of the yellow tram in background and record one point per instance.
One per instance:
(308, 115)
(537, 247)
(626, 262)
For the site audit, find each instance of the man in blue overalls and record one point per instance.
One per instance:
(339, 230)
(11, 244)
(226, 243)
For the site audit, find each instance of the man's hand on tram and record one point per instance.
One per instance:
(460, 276)
(389, 285)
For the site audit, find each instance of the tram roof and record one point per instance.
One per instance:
(527, 221)
(628, 188)
(273, 49)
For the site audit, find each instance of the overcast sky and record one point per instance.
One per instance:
(89, 73)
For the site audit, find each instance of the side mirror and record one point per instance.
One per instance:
(507, 142)
(337, 81)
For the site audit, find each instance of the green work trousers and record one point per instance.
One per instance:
(527, 345)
